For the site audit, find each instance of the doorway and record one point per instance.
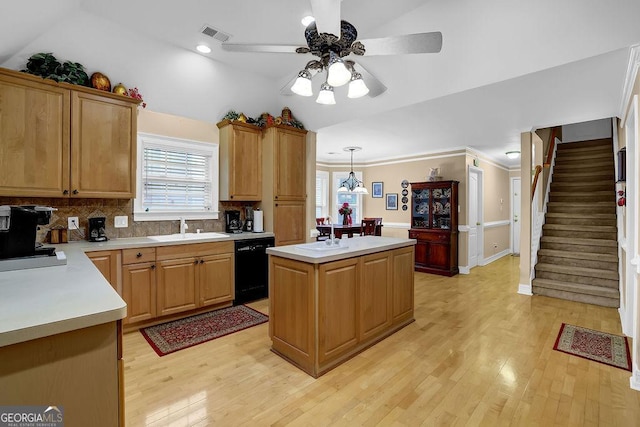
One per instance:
(474, 205)
(515, 216)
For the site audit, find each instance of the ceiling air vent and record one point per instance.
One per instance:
(208, 30)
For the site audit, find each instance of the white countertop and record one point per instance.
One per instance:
(40, 302)
(319, 252)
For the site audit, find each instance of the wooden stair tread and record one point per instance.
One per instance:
(580, 215)
(577, 288)
(578, 255)
(578, 271)
(579, 241)
(569, 227)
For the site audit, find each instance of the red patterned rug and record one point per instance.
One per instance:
(173, 336)
(598, 346)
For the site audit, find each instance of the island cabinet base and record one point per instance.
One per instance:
(323, 314)
(79, 371)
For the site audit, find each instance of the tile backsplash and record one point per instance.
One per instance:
(110, 208)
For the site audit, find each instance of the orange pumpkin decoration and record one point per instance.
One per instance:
(101, 82)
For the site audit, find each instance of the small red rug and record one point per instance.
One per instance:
(180, 334)
(598, 346)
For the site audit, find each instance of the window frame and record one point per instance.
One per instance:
(210, 148)
(323, 176)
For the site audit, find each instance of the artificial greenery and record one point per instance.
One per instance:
(231, 115)
(47, 66)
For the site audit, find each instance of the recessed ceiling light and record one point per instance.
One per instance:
(307, 20)
(202, 48)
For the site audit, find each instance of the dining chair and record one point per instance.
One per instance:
(378, 220)
(368, 227)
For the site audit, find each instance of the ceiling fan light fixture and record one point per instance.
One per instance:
(337, 73)
(357, 87)
(302, 85)
(512, 154)
(326, 95)
(307, 20)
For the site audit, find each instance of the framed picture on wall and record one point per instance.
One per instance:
(392, 201)
(376, 190)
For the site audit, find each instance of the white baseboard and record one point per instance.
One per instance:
(464, 269)
(524, 289)
(495, 257)
(634, 382)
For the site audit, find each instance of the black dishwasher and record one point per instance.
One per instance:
(252, 269)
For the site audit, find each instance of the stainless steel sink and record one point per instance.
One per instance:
(187, 236)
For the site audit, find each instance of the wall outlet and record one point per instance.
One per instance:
(73, 223)
(121, 221)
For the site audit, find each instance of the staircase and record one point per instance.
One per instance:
(578, 256)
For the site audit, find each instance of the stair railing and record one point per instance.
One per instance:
(538, 213)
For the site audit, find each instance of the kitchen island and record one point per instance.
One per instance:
(328, 303)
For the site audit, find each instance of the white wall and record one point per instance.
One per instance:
(172, 80)
(585, 131)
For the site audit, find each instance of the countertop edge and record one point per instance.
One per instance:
(295, 253)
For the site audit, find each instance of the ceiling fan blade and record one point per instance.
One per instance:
(327, 15)
(375, 86)
(262, 48)
(406, 44)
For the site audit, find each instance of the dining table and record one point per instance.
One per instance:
(349, 230)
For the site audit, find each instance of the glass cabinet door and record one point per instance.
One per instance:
(441, 208)
(421, 204)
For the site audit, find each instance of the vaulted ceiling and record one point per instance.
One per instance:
(505, 67)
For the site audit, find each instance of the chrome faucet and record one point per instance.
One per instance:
(183, 226)
(332, 237)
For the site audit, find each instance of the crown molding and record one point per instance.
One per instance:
(629, 82)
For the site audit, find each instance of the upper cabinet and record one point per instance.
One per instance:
(284, 183)
(61, 140)
(240, 161)
(286, 148)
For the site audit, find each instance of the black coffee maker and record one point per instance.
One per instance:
(96, 229)
(232, 222)
(18, 226)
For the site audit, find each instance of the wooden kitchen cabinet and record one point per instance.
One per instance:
(289, 221)
(284, 183)
(194, 276)
(176, 285)
(64, 140)
(103, 146)
(434, 224)
(139, 284)
(322, 314)
(109, 264)
(240, 161)
(34, 136)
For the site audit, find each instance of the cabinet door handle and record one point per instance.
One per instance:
(138, 255)
(201, 261)
(75, 191)
(195, 262)
(153, 266)
(231, 197)
(65, 192)
(276, 197)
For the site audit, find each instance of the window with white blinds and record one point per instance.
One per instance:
(176, 179)
(322, 194)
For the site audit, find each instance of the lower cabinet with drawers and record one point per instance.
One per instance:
(436, 251)
(159, 283)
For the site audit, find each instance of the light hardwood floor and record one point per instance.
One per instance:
(477, 354)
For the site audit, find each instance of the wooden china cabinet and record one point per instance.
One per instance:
(434, 224)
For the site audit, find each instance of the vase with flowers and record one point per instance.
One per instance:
(345, 211)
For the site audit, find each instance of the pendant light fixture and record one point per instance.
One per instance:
(352, 184)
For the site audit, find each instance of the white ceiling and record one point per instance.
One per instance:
(505, 66)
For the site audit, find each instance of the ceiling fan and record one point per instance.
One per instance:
(333, 51)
